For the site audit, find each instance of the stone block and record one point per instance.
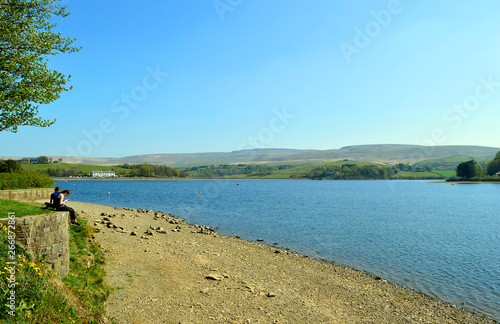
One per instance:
(50, 240)
(47, 235)
(57, 248)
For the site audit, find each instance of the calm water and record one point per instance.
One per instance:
(441, 239)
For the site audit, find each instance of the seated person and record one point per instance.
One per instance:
(60, 206)
(53, 198)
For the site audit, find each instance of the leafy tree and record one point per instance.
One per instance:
(150, 170)
(494, 165)
(351, 172)
(26, 40)
(10, 166)
(43, 159)
(403, 167)
(468, 170)
(24, 179)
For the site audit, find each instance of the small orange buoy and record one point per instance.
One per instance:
(199, 192)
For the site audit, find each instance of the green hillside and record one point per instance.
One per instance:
(300, 171)
(446, 173)
(449, 163)
(391, 154)
(380, 153)
(410, 175)
(344, 169)
(127, 170)
(447, 166)
(81, 169)
(350, 170)
(197, 159)
(384, 153)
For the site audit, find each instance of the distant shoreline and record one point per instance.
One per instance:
(160, 179)
(471, 181)
(246, 179)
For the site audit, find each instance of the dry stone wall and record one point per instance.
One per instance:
(27, 194)
(46, 235)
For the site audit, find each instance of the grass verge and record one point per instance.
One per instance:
(86, 272)
(40, 296)
(21, 209)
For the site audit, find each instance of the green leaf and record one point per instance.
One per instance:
(26, 40)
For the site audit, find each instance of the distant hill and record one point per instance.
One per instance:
(449, 163)
(195, 159)
(379, 153)
(392, 154)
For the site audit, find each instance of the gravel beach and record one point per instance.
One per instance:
(166, 271)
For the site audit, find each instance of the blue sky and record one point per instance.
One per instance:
(218, 76)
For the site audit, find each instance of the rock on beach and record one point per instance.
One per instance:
(192, 274)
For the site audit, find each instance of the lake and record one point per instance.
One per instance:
(437, 238)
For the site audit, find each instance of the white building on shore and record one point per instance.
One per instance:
(103, 174)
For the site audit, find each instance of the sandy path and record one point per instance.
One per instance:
(184, 274)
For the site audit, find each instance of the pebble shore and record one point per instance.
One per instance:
(167, 271)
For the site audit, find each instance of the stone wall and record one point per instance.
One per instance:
(27, 194)
(46, 235)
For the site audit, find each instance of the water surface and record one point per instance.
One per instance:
(440, 239)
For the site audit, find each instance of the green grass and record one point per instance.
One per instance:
(418, 175)
(86, 273)
(81, 168)
(37, 298)
(42, 297)
(298, 171)
(21, 209)
(446, 164)
(446, 173)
